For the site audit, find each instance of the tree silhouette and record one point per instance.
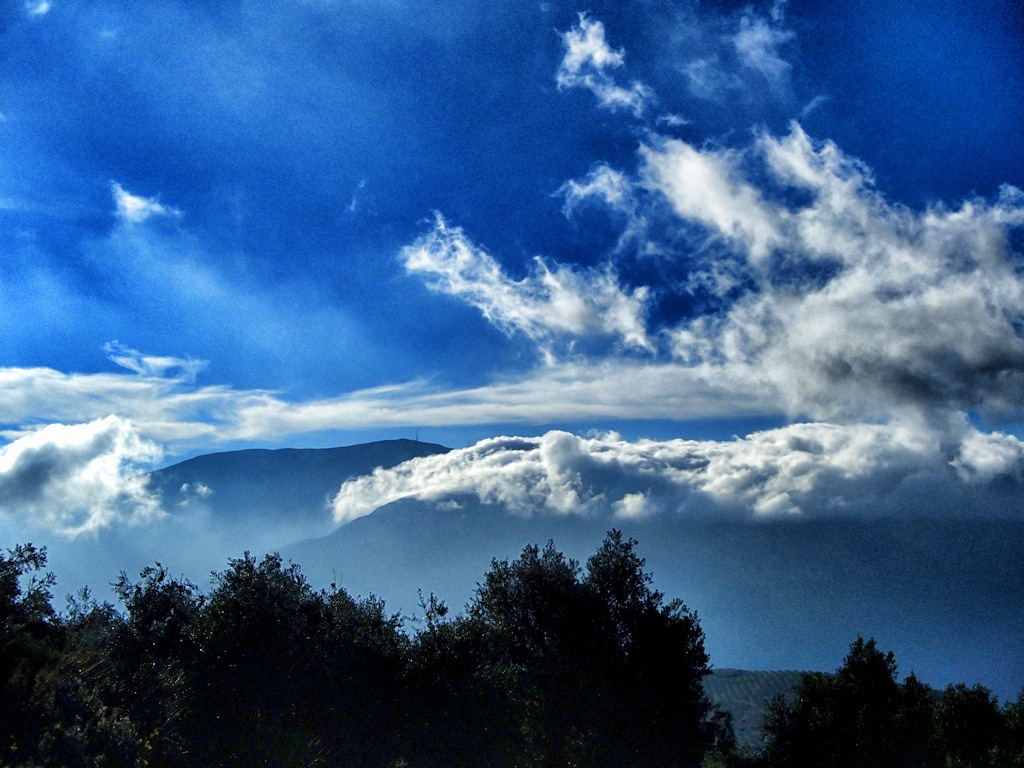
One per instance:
(968, 725)
(603, 670)
(551, 664)
(656, 712)
(287, 675)
(861, 716)
(28, 645)
(846, 720)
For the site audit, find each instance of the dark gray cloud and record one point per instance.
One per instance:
(853, 306)
(78, 479)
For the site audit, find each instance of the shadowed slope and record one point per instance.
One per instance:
(944, 594)
(745, 694)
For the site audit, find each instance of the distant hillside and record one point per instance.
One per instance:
(943, 594)
(221, 504)
(745, 694)
(289, 484)
(409, 545)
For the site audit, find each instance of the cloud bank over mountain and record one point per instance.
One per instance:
(814, 470)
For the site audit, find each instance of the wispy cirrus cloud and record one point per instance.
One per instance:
(36, 8)
(734, 56)
(164, 409)
(705, 186)
(153, 365)
(603, 184)
(547, 305)
(758, 43)
(588, 63)
(182, 415)
(134, 209)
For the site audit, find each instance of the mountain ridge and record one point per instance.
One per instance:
(263, 481)
(745, 693)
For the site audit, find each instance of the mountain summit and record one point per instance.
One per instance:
(285, 486)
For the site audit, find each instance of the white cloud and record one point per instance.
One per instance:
(587, 62)
(673, 121)
(602, 183)
(986, 457)
(810, 470)
(152, 365)
(199, 489)
(813, 105)
(134, 209)
(547, 305)
(37, 7)
(164, 409)
(708, 80)
(189, 493)
(707, 186)
(181, 416)
(76, 479)
(610, 389)
(757, 43)
(730, 58)
(610, 189)
(853, 306)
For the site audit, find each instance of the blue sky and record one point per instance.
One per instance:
(315, 222)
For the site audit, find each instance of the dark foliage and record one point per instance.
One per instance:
(551, 665)
(50, 713)
(861, 717)
(557, 666)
